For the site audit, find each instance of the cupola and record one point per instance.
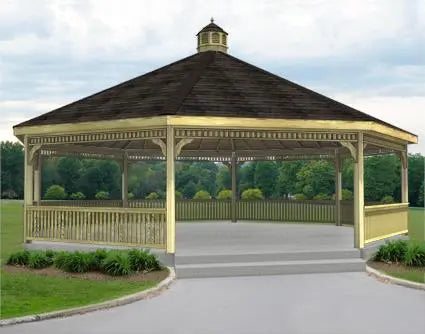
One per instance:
(212, 38)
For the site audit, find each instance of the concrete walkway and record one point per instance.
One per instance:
(314, 303)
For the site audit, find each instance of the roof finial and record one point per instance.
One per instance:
(212, 20)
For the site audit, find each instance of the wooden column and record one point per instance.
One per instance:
(170, 205)
(338, 188)
(38, 160)
(359, 194)
(404, 177)
(234, 167)
(28, 183)
(124, 180)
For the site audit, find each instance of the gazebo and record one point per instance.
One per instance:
(208, 106)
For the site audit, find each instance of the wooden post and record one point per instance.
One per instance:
(338, 188)
(404, 177)
(38, 161)
(170, 205)
(359, 194)
(28, 184)
(234, 167)
(124, 180)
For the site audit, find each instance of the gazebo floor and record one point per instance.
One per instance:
(224, 237)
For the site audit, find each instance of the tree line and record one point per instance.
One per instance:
(275, 179)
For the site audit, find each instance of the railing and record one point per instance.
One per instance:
(142, 227)
(383, 221)
(103, 203)
(268, 210)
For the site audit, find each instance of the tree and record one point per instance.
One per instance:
(68, 170)
(316, 177)
(265, 176)
(245, 176)
(421, 196)
(382, 177)
(224, 179)
(252, 194)
(55, 192)
(12, 169)
(416, 177)
(287, 177)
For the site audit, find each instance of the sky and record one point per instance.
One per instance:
(368, 54)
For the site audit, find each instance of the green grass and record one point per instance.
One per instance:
(28, 293)
(417, 224)
(414, 276)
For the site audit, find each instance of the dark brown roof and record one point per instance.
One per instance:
(211, 27)
(205, 84)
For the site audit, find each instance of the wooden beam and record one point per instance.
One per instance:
(170, 205)
(234, 187)
(359, 195)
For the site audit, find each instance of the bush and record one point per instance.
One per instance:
(252, 194)
(300, 197)
(39, 260)
(202, 194)
(78, 196)
(102, 195)
(77, 262)
(97, 258)
(387, 199)
(117, 264)
(346, 195)
(322, 197)
(19, 258)
(224, 194)
(152, 196)
(55, 192)
(142, 260)
(130, 196)
(178, 195)
(392, 251)
(415, 255)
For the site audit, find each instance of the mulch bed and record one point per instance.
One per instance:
(158, 275)
(393, 267)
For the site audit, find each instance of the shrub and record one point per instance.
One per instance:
(392, 251)
(387, 199)
(55, 192)
(78, 196)
(178, 195)
(19, 258)
(60, 259)
(77, 262)
(39, 260)
(322, 197)
(252, 194)
(152, 196)
(130, 196)
(97, 257)
(415, 255)
(142, 260)
(308, 191)
(224, 194)
(202, 194)
(347, 195)
(9, 193)
(300, 196)
(102, 195)
(117, 264)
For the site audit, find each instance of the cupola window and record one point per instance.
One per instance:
(215, 37)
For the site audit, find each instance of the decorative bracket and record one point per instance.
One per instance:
(403, 158)
(183, 142)
(32, 152)
(161, 144)
(351, 148)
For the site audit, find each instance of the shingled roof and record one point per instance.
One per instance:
(205, 84)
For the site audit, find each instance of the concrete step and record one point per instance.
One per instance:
(259, 257)
(269, 268)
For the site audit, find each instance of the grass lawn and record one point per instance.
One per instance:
(417, 224)
(28, 293)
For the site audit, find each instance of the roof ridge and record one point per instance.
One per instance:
(187, 84)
